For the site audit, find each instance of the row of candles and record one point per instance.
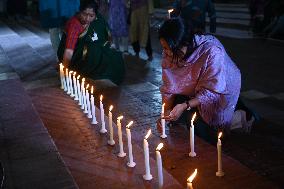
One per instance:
(72, 86)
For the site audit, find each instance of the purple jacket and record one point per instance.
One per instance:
(208, 74)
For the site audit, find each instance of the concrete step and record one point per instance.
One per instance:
(28, 154)
(29, 55)
(227, 31)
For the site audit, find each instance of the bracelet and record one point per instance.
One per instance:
(187, 105)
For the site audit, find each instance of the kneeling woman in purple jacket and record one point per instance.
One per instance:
(198, 76)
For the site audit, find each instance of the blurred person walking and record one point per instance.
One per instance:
(118, 24)
(140, 26)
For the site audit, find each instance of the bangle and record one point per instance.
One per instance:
(187, 105)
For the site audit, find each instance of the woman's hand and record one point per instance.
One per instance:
(176, 112)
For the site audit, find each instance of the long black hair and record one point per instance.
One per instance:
(89, 4)
(177, 34)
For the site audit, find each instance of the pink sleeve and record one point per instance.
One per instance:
(213, 75)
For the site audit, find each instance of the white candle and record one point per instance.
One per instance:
(147, 175)
(83, 94)
(61, 67)
(110, 141)
(86, 100)
(75, 86)
(88, 104)
(78, 89)
(65, 88)
(191, 135)
(190, 179)
(70, 84)
(169, 13)
(220, 172)
(131, 163)
(163, 122)
(160, 165)
(81, 101)
(119, 132)
(103, 129)
(67, 81)
(94, 121)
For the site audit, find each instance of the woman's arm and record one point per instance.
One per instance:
(67, 56)
(73, 31)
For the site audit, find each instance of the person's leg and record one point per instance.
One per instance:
(134, 32)
(249, 113)
(116, 41)
(124, 41)
(136, 48)
(55, 34)
(143, 26)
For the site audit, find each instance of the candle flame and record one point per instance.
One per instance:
(87, 86)
(74, 73)
(66, 69)
(70, 72)
(78, 77)
(160, 146)
(83, 80)
(148, 134)
(110, 108)
(61, 64)
(219, 135)
(163, 105)
(192, 176)
(129, 124)
(170, 10)
(120, 118)
(92, 89)
(101, 98)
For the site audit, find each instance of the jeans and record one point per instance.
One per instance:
(55, 37)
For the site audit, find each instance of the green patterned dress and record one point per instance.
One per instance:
(93, 57)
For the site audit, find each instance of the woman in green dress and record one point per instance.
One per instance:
(85, 47)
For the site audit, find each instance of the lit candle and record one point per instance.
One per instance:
(86, 100)
(147, 175)
(75, 86)
(103, 129)
(67, 81)
(110, 141)
(62, 76)
(220, 172)
(78, 89)
(83, 93)
(191, 135)
(160, 165)
(64, 80)
(70, 84)
(169, 13)
(119, 132)
(131, 163)
(163, 122)
(94, 121)
(88, 104)
(190, 179)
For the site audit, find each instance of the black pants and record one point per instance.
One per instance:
(149, 51)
